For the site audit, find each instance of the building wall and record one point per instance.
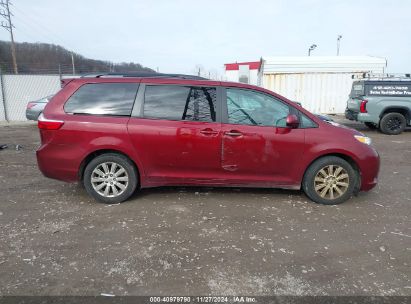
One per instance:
(20, 89)
(233, 75)
(318, 92)
(320, 83)
(323, 64)
(253, 77)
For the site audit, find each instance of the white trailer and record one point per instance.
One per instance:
(320, 83)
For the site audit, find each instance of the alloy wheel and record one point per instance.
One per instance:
(109, 179)
(331, 182)
(394, 124)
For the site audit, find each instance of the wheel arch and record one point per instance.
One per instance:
(99, 152)
(397, 109)
(345, 157)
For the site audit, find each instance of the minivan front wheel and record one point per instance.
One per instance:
(330, 180)
(110, 178)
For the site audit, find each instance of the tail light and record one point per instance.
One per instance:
(363, 106)
(30, 105)
(49, 124)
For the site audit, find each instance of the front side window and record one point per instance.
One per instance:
(173, 102)
(103, 99)
(248, 107)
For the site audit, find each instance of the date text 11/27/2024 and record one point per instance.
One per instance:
(203, 299)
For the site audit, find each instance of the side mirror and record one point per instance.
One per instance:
(292, 121)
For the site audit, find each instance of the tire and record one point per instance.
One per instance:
(346, 179)
(371, 125)
(393, 123)
(111, 171)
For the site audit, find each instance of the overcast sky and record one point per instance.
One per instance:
(177, 35)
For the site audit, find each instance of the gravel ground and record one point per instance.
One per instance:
(55, 240)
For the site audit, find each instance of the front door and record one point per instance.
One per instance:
(257, 146)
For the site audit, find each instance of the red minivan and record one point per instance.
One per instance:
(117, 133)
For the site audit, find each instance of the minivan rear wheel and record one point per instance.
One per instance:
(330, 180)
(110, 178)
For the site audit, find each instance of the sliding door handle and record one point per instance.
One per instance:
(208, 131)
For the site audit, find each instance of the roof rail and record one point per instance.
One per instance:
(143, 75)
(382, 77)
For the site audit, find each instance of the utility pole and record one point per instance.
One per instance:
(58, 60)
(338, 44)
(8, 25)
(72, 64)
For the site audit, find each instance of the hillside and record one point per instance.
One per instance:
(36, 58)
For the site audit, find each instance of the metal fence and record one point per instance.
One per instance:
(17, 90)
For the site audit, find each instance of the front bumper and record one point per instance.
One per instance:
(369, 167)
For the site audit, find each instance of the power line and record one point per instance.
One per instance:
(45, 32)
(8, 25)
(25, 28)
(33, 21)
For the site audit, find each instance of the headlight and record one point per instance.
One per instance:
(364, 139)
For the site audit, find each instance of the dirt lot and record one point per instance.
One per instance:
(55, 240)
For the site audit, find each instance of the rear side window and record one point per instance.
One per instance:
(357, 89)
(180, 103)
(103, 99)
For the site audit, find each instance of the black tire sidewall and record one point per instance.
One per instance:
(308, 181)
(383, 124)
(117, 158)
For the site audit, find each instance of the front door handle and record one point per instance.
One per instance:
(208, 131)
(234, 133)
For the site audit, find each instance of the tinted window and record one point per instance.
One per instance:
(103, 99)
(357, 89)
(180, 103)
(252, 108)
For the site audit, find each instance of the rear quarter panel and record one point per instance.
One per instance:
(385, 103)
(80, 136)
